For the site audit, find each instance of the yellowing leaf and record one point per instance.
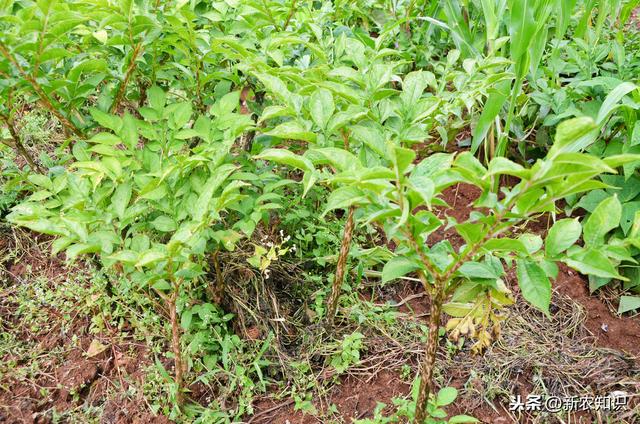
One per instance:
(95, 348)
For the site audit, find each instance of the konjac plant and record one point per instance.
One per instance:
(467, 283)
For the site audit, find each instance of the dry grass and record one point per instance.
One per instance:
(549, 357)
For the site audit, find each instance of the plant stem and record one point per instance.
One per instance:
(218, 292)
(441, 281)
(44, 99)
(332, 302)
(127, 76)
(428, 363)
(407, 24)
(171, 302)
(504, 137)
(17, 143)
(269, 14)
(291, 12)
(175, 347)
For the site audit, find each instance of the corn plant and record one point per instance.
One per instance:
(529, 25)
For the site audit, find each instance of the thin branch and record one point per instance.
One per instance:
(44, 98)
(36, 64)
(17, 144)
(127, 76)
(291, 12)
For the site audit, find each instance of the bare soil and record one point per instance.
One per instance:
(70, 375)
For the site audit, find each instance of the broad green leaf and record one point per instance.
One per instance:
(308, 180)
(532, 242)
(477, 270)
(41, 181)
(573, 135)
(397, 267)
(604, 218)
(101, 36)
(630, 214)
(153, 191)
(157, 98)
(504, 166)
(402, 158)
(162, 285)
(413, 86)
(275, 86)
(129, 131)
(446, 396)
(433, 164)
(457, 309)
(628, 303)
(43, 226)
(286, 157)
(562, 236)
(150, 257)
(344, 197)
(77, 228)
(321, 106)
(81, 248)
(470, 168)
(275, 111)
(462, 419)
(105, 120)
(164, 223)
(372, 138)
(593, 262)
(213, 183)
(179, 114)
(292, 130)
(616, 161)
(424, 187)
(186, 318)
(610, 102)
(107, 139)
(535, 285)
(125, 256)
(341, 119)
(505, 244)
(228, 103)
(340, 159)
(492, 107)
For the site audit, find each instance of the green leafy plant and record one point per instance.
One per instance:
(149, 199)
(349, 352)
(163, 115)
(610, 242)
(406, 409)
(400, 196)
